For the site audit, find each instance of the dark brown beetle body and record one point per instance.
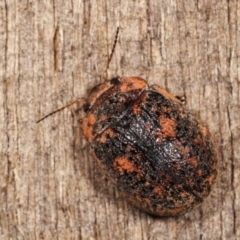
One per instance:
(160, 157)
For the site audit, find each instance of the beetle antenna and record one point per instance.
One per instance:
(81, 100)
(104, 76)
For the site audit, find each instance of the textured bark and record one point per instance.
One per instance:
(53, 52)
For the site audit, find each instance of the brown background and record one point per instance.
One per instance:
(52, 52)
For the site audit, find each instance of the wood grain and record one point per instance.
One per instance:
(55, 51)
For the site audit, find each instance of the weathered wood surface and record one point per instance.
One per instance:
(53, 52)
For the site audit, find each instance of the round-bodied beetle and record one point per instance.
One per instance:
(161, 158)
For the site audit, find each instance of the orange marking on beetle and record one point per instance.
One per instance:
(91, 119)
(168, 126)
(191, 182)
(148, 127)
(136, 109)
(176, 210)
(203, 130)
(159, 190)
(210, 179)
(193, 161)
(198, 139)
(199, 172)
(165, 93)
(132, 83)
(97, 91)
(87, 126)
(183, 194)
(147, 184)
(123, 164)
(107, 133)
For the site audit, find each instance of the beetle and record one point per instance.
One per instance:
(159, 155)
